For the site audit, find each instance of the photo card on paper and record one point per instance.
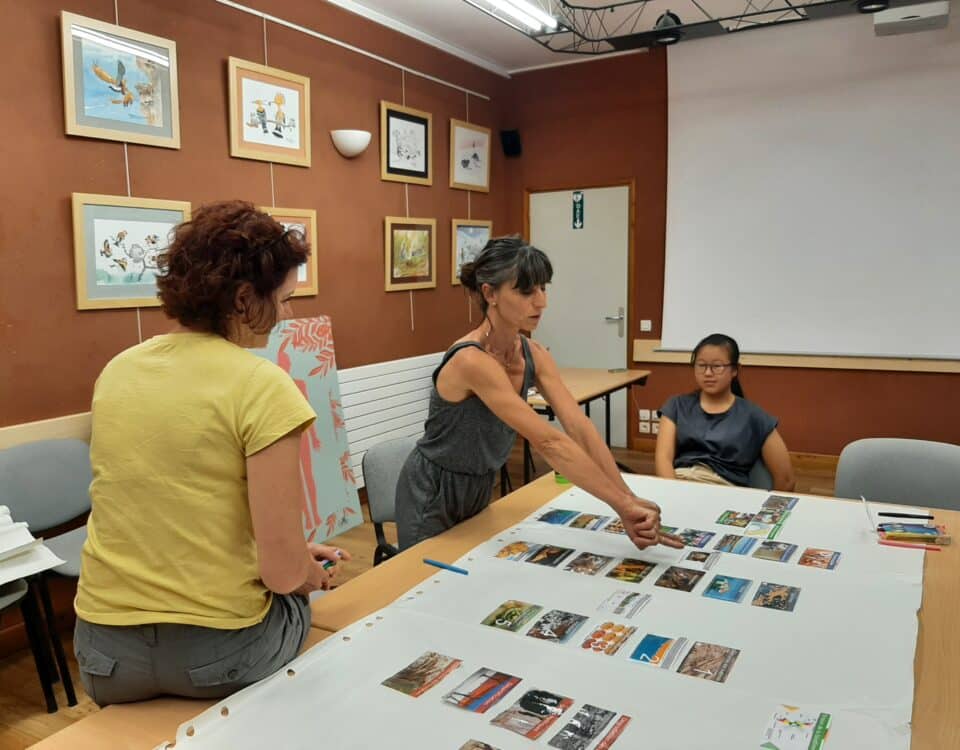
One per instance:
(679, 578)
(709, 661)
(533, 713)
(481, 690)
(512, 615)
(557, 626)
(631, 570)
(775, 551)
(588, 563)
(607, 638)
(776, 596)
(517, 550)
(815, 557)
(422, 674)
(658, 650)
(727, 588)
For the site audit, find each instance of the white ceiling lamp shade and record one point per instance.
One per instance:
(350, 143)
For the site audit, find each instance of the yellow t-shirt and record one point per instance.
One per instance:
(170, 537)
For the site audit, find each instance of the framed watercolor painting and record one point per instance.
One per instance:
(269, 114)
(406, 144)
(410, 253)
(467, 239)
(116, 241)
(119, 84)
(469, 156)
(304, 220)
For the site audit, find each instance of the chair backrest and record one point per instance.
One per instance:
(760, 477)
(911, 472)
(46, 483)
(381, 468)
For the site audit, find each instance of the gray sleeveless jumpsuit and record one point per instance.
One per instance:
(450, 474)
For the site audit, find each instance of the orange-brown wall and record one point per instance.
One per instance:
(50, 353)
(606, 122)
(589, 124)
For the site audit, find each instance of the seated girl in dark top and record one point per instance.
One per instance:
(715, 435)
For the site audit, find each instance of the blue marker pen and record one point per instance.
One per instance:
(445, 566)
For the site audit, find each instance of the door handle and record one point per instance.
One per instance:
(619, 319)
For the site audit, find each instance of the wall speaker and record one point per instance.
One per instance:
(510, 140)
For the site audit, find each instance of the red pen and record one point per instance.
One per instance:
(930, 547)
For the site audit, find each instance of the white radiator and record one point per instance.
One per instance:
(383, 401)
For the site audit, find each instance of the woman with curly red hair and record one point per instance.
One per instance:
(195, 572)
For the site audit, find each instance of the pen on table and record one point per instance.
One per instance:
(445, 566)
(908, 545)
(906, 515)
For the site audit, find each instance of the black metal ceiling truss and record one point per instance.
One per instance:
(629, 24)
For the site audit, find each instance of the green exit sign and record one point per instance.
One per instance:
(578, 209)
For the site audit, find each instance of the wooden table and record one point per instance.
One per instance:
(585, 385)
(936, 708)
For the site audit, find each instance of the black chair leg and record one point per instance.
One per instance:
(61, 658)
(506, 485)
(33, 624)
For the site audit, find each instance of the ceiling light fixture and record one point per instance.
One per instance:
(872, 6)
(667, 28)
(516, 14)
(531, 9)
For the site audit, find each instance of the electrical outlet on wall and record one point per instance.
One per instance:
(645, 428)
(655, 415)
(646, 326)
(655, 428)
(644, 415)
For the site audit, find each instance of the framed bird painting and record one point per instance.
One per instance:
(119, 84)
(269, 113)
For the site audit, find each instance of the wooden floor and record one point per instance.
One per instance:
(24, 721)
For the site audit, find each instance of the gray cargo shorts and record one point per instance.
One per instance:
(120, 664)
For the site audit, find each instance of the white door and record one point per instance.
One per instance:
(589, 286)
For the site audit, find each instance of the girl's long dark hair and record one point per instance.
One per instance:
(728, 343)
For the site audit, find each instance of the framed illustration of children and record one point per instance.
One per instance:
(469, 156)
(119, 84)
(116, 241)
(303, 220)
(406, 144)
(467, 239)
(410, 253)
(269, 114)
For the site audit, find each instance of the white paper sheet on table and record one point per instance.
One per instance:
(36, 560)
(847, 649)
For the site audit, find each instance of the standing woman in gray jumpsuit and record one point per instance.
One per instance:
(478, 405)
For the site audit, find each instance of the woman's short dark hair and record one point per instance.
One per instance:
(733, 352)
(503, 260)
(223, 247)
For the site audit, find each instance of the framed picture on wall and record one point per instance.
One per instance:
(116, 241)
(303, 220)
(119, 84)
(269, 114)
(467, 239)
(469, 156)
(406, 144)
(410, 253)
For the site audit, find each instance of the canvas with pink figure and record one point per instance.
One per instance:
(303, 347)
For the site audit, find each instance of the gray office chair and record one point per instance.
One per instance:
(760, 477)
(19, 592)
(910, 472)
(381, 469)
(47, 484)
